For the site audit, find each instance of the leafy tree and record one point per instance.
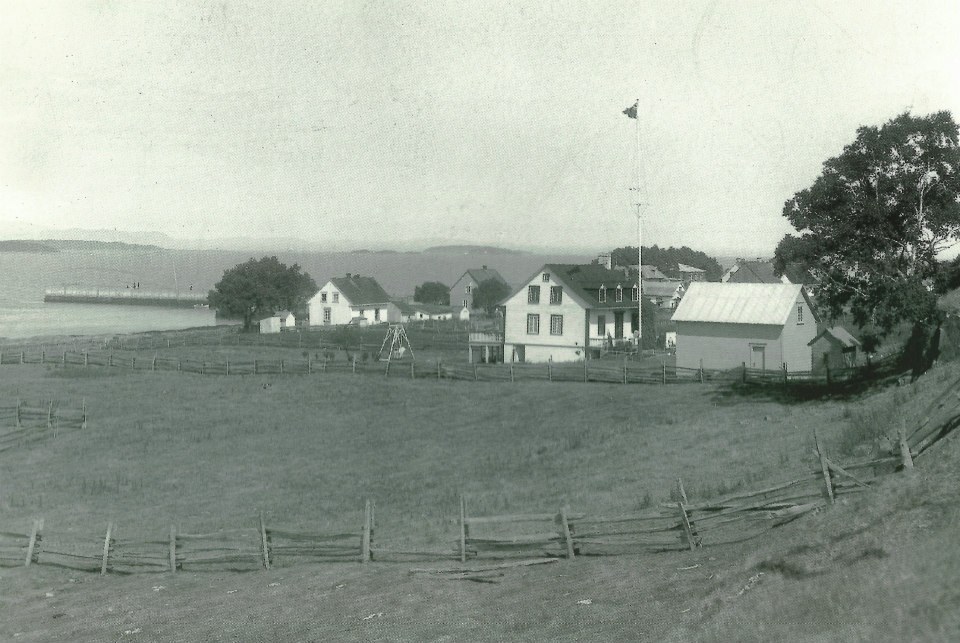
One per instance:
(432, 292)
(260, 287)
(489, 293)
(872, 224)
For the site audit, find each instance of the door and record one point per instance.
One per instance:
(758, 357)
(618, 325)
(519, 353)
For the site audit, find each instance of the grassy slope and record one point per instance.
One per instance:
(308, 450)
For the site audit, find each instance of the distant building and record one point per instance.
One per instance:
(415, 311)
(652, 273)
(270, 325)
(689, 274)
(461, 293)
(352, 300)
(755, 271)
(564, 312)
(663, 294)
(835, 347)
(761, 325)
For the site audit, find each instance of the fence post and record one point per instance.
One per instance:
(568, 538)
(743, 376)
(438, 369)
(687, 529)
(464, 530)
(133, 362)
(179, 364)
(254, 367)
(413, 374)
(309, 364)
(365, 538)
(701, 370)
(264, 543)
(21, 357)
(64, 358)
(153, 364)
(50, 415)
(550, 369)
(663, 376)
(476, 376)
(18, 413)
(585, 378)
(905, 449)
(823, 465)
(107, 542)
(354, 363)
(624, 370)
(785, 375)
(511, 371)
(281, 367)
(110, 359)
(173, 546)
(34, 540)
(83, 413)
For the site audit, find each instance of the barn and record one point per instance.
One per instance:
(765, 326)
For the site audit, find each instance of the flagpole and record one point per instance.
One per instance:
(639, 246)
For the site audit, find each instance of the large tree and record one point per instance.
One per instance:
(260, 287)
(489, 293)
(666, 260)
(432, 292)
(872, 224)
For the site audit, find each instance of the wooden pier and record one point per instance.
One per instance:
(129, 296)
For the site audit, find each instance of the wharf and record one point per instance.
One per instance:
(130, 296)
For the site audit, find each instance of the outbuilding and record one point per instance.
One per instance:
(762, 325)
(835, 347)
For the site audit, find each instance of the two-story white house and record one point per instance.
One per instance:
(352, 299)
(566, 312)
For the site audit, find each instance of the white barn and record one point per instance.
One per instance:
(762, 325)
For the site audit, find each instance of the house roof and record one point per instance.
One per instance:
(682, 267)
(583, 282)
(651, 272)
(480, 275)
(361, 290)
(752, 272)
(661, 288)
(838, 334)
(739, 303)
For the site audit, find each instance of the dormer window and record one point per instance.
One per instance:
(619, 293)
(602, 295)
(546, 276)
(635, 295)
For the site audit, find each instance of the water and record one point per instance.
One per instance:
(24, 276)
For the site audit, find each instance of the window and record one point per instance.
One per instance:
(556, 294)
(323, 298)
(336, 298)
(469, 289)
(533, 294)
(799, 313)
(635, 295)
(556, 324)
(602, 295)
(533, 324)
(546, 276)
(464, 303)
(601, 325)
(326, 315)
(376, 314)
(619, 293)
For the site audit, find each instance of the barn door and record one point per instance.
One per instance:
(758, 357)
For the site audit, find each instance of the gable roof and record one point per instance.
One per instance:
(740, 303)
(752, 272)
(648, 271)
(583, 281)
(838, 334)
(361, 290)
(480, 275)
(661, 288)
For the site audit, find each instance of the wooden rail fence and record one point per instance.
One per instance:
(24, 420)
(604, 371)
(678, 525)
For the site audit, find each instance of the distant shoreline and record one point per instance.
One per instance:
(50, 246)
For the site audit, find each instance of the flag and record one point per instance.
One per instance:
(631, 111)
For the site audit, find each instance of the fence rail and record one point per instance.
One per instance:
(603, 371)
(23, 421)
(677, 525)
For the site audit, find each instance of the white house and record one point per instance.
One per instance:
(663, 294)
(566, 311)
(352, 299)
(761, 325)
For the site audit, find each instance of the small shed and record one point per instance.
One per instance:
(836, 347)
(272, 324)
(287, 320)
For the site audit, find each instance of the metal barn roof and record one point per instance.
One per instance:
(738, 303)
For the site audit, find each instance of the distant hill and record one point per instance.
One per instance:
(465, 249)
(17, 245)
(85, 245)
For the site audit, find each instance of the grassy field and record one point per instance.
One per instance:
(207, 452)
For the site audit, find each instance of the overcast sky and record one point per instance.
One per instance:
(482, 122)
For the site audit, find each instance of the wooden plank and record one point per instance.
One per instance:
(463, 530)
(484, 568)
(32, 544)
(478, 520)
(836, 467)
(106, 549)
(824, 468)
(685, 521)
(173, 549)
(365, 538)
(566, 533)
(265, 546)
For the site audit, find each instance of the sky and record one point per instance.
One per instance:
(388, 124)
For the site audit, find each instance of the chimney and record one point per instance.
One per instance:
(484, 267)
